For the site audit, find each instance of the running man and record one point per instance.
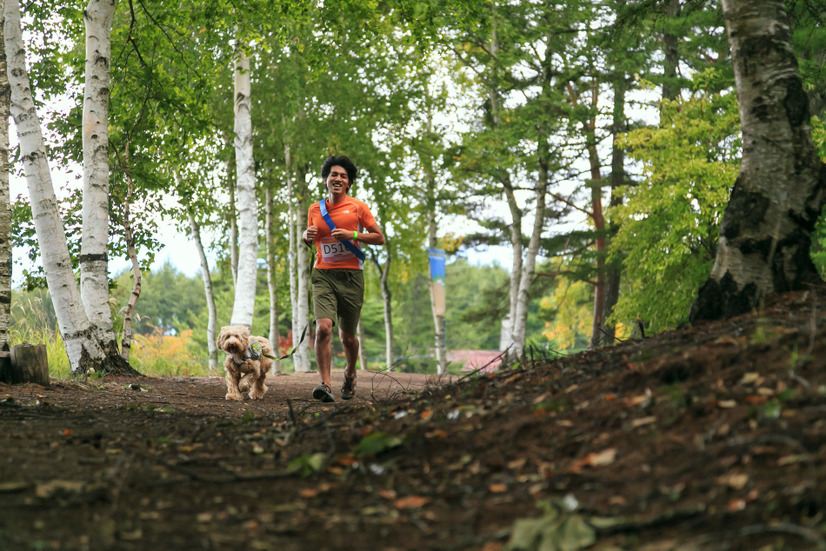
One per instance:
(338, 282)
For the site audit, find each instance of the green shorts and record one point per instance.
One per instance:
(338, 295)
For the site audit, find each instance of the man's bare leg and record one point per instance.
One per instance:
(323, 348)
(350, 343)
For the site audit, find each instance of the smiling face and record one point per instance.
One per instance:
(337, 182)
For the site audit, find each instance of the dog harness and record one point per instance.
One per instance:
(253, 353)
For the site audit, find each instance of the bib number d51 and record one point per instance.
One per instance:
(333, 250)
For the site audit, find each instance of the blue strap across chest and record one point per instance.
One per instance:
(351, 246)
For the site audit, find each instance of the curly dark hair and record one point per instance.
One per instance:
(342, 161)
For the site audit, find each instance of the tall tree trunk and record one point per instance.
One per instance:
(84, 350)
(5, 199)
(94, 276)
(212, 323)
(292, 225)
(513, 206)
(438, 319)
(126, 340)
(613, 269)
(432, 243)
(232, 220)
(302, 312)
(387, 297)
(590, 131)
(244, 305)
(271, 276)
(779, 194)
(362, 350)
(671, 63)
(233, 232)
(520, 322)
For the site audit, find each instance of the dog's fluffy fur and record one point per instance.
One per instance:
(244, 373)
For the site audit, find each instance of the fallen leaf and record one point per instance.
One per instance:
(67, 432)
(600, 459)
(642, 421)
(609, 397)
(728, 340)
(308, 493)
(726, 404)
(736, 505)
(734, 480)
(749, 378)
(596, 459)
(388, 494)
(752, 399)
(426, 414)
(498, 488)
(411, 502)
(346, 461)
(58, 486)
(792, 459)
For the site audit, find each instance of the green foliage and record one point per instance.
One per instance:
(376, 443)
(32, 321)
(669, 224)
(568, 314)
(819, 237)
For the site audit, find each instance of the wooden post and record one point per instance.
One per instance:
(29, 364)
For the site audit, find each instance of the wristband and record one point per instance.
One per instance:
(355, 235)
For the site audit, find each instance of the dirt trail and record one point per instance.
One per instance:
(707, 438)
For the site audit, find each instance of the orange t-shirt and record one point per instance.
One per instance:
(351, 214)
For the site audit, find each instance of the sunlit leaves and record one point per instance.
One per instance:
(669, 224)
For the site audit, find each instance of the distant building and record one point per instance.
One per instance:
(471, 360)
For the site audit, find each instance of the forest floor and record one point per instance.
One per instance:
(709, 437)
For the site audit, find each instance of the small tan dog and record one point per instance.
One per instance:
(247, 363)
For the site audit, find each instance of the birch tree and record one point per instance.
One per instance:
(212, 323)
(5, 199)
(302, 304)
(244, 305)
(765, 236)
(272, 282)
(94, 277)
(84, 349)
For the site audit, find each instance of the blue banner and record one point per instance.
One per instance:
(437, 265)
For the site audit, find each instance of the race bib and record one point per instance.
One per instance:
(333, 250)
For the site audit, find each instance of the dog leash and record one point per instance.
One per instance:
(257, 345)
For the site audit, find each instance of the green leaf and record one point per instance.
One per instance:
(555, 530)
(376, 443)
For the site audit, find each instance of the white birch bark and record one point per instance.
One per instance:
(292, 260)
(79, 339)
(362, 351)
(94, 277)
(432, 242)
(244, 305)
(515, 212)
(229, 167)
(520, 322)
(765, 235)
(271, 277)
(302, 312)
(126, 340)
(212, 324)
(5, 201)
(387, 297)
